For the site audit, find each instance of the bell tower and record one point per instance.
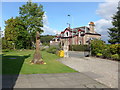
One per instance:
(91, 26)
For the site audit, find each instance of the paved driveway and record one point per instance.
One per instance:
(63, 80)
(77, 54)
(102, 70)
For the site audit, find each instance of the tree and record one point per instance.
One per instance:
(114, 33)
(45, 39)
(16, 34)
(32, 16)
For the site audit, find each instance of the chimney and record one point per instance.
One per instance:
(91, 26)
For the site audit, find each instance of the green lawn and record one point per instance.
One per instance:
(18, 62)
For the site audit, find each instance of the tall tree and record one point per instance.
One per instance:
(16, 33)
(114, 33)
(32, 16)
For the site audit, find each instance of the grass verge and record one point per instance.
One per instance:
(18, 62)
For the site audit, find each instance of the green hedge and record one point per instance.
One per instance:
(108, 51)
(79, 47)
(53, 49)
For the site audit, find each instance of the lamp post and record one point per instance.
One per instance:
(68, 24)
(68, 21)
(72, 30)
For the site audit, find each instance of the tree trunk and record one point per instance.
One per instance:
(37, 56)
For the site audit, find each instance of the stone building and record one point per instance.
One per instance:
(78, 35)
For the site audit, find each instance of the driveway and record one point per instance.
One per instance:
(60, 80)
(77, 54)
(103, 70)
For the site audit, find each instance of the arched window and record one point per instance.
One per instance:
(66, 33)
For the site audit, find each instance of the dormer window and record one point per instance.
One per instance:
(66, 34)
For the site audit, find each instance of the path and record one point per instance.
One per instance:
(102, 70)
(63, 80)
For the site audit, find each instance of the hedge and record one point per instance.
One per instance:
(108, 51)
(79, 48)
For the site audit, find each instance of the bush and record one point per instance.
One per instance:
(7, 44)
(115, 57)
(107, 54)
(43, 49)
(100, 49)
(97, 46)
(115, 48)
(52, 50)
(99, 54)
(79, 47)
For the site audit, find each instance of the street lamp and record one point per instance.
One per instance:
(70, 28)
(68, 24)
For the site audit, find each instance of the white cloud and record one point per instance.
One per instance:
(102, 26)
(46, 28)
(106, 10)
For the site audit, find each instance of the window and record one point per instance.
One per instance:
(58, 39)
(82, 33)
(67, 33)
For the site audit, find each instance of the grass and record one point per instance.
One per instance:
(18, 62)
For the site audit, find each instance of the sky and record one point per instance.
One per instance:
(81, 13)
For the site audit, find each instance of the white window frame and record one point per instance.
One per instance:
(65, 34)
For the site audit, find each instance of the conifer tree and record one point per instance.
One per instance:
(114, 32)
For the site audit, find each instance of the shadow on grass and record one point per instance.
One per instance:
(11, 66)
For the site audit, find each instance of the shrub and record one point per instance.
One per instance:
(106, 54)
(52, 50)
(79, 47)
(115, 48)
(43, 49)
(7, 44)
(99, 54)
(115, 57)
(97, 46)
